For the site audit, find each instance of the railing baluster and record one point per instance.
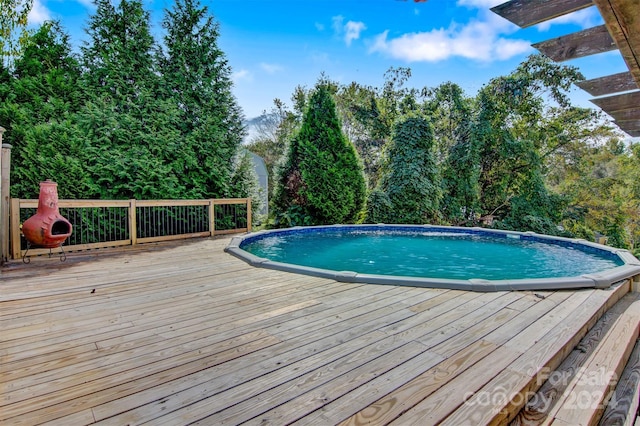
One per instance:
(98, 223)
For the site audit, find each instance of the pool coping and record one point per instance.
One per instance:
(600, 280)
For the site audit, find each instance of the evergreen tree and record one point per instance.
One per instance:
(38, 102)
(132, 129)
(409, 188)
(118, 59)
(321, 181)
(197, 80)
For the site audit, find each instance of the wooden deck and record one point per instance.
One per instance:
(185, 333)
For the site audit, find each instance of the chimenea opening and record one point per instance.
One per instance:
(60, 227)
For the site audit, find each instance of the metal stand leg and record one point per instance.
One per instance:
(25, 259)
(63, 256)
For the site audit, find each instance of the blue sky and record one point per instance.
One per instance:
(274, 45)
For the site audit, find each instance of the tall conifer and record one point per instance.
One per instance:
(197, 79)
(322, 181)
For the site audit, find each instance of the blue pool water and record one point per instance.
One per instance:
(434, 254)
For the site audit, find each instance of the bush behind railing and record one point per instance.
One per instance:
(113, 223)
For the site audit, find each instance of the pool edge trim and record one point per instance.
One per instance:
(599, 280)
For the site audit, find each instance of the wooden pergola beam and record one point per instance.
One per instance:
(622, 18)
(618, 102)
(576, 45)
(525, 13)
(626, 114)
(609, 84)
(628, 125)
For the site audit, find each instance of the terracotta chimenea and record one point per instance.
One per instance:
(47, 228)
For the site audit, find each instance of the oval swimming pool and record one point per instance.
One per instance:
(430, 256)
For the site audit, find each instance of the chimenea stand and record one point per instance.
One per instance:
(47, 228)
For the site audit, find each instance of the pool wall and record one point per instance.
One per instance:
(605, 279)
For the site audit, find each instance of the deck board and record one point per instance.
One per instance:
(183, 333)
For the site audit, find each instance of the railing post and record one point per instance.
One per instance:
(5, 185)
(248, 214)
(133, 226)
(16, 249)
(212, 217)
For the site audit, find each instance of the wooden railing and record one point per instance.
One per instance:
(105, 223)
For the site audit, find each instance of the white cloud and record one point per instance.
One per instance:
(351, 30)
(585, 18)
(241, 75)
(271, 68)
(477, 40)
(505, 49)
(38, 14)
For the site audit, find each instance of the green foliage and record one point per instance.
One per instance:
(14, 35)
(322, 176)
(56, 151)
(38, 101)
(451, 114)
(602, 187)
(197, 81)
(135, 120)
(131, 118)
(409, 189)
(118, 59)
(379, 207)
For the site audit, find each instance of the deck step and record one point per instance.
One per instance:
(623, 406)
(579, 390)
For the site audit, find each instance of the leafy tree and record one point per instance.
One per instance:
(197, 80)
(321, 181)
(604, 195)
(409, 188)
(14, 35)
(371, 113)
(452, 115)
(118, 58)
(514, 112)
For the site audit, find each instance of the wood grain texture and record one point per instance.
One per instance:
(525, 13)
(623, 22)
(623, 406)
(610, 84)
(628, 125)
(626, 114)
(624, 101)
(543, 402)
(181, 332)
(577, 45)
